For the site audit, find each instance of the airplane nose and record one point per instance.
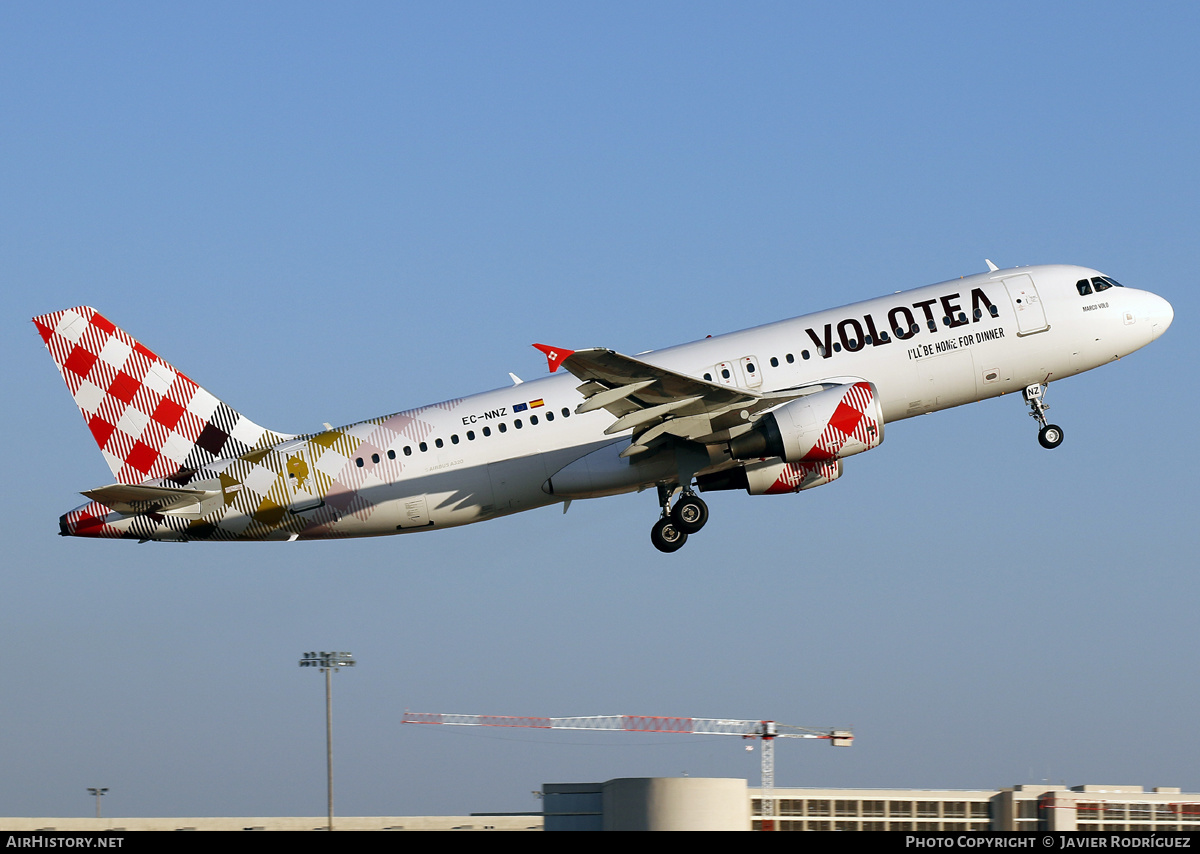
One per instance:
(1158, 314)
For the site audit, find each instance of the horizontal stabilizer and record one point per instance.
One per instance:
(136, 500)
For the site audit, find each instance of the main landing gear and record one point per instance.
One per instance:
(687, 517)
(1051, 435)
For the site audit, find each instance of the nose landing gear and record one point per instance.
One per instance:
(1051, 435)
(687, 517)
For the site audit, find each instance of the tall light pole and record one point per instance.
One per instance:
(97, 792)
(328, 662)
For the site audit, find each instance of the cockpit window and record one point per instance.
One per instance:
(1084, 287)
(1100, 284)
(1112, 281)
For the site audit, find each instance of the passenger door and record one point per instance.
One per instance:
(1027, 305)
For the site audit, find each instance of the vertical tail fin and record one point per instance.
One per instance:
(149, 419)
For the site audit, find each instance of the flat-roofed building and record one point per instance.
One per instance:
(877, 809)
(701, 803)
(1023, 807)
(597, 806)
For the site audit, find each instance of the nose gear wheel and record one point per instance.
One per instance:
(1051, 435)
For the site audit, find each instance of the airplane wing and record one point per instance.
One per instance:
(657, 403)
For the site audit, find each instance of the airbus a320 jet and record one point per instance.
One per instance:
(769, 410)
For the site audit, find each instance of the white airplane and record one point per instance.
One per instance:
(770, 410)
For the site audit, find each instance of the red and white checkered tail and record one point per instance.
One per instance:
(149, 419)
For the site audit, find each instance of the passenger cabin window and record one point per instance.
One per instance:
(774, 362)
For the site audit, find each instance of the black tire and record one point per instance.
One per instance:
(690, 514)
(1050, 436)
(667, 537)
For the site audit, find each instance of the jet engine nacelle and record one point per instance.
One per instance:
(828, 425)
(772, 477)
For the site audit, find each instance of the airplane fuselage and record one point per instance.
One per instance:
(496, 453)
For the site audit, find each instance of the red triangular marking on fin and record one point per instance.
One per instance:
(555, 356)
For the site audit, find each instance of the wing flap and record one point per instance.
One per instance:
(602, 397)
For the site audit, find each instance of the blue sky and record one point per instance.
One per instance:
(326, 214)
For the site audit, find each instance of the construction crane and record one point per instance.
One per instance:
(764, 731)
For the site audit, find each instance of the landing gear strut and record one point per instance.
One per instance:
(1051, 435)
(687, 517)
